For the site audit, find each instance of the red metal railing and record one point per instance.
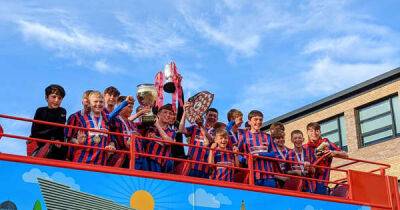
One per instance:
(249, 171)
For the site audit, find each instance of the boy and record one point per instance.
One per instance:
(121, 124)
(211, 118)
(301, 154)
(280, 152)
(258, 143)
(196, 135)
(111, 95)
(74, 120)
(53, 112)
(222, 158)
(98, 119)
(161, 130)
(235, 119)
(331, 150)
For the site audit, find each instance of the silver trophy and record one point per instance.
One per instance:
(147, 96)
(169, 85)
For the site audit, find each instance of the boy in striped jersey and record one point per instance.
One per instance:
(161, 130)
(322, 146)
(123, 125)
(280, 152)
(196, 135)
(222, 158)
(96, 119)
(303, 155)
(235, 120)
(75, 119)
(258, 143)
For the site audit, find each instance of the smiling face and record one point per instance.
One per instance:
(110, 99)
(222, 140)
(297, 140)
(54, 101)
(211, 118)
(313, 134)
(96, 103)
(256, 123)
(165, 116)
(280, 141)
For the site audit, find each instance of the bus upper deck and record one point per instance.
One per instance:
(370, 188)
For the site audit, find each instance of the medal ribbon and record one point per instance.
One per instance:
(300, 160)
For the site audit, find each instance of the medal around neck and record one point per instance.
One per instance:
(200, 103)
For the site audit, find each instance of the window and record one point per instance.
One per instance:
(335, 130)
(379, 121)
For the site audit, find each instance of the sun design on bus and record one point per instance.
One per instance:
(142, 200)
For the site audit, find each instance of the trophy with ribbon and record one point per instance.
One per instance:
(169, 80)
(199, 105)
(147, 96)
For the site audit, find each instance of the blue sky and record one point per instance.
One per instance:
(275, 56)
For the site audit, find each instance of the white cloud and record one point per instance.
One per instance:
(327, 76)
(309, 207)
(223, 199)
(32, 175)
(35, 173)
(65, 180)
(201, 198)
(66, 38)
(194, 83)
(151, 38)
(14, 127)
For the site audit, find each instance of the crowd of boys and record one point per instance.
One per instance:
(220, 149)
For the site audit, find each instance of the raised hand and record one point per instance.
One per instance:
(130, 100)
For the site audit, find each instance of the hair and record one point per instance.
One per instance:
(219, 125)
(221, 132)
(246, 124)
(56, 89)
(277, 126)
(255, 113)
(233, 113)
(95, 93)
(112, 91)
(167, 107)
(296, 132)
(313, 125)
(86, 93)
(278, 134)
(121, 99)
(211, 110)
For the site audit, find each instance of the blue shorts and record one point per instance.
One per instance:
(321, 189)
(169, 166)
(268, 182)
(141, 164)
(199, 174)
(153, 165)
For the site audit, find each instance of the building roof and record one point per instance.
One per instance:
(343, 95)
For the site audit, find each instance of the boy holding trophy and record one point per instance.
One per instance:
(324, 150)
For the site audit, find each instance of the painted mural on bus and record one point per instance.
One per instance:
(29, 186)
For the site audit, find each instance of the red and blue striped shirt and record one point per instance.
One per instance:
(220, 172)
(160, 148)
(258, 144)
(196, 138)
(323, 174)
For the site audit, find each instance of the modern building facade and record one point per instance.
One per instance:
(363, 119)
(59, 196)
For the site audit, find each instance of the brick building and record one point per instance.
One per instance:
(363, 119)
